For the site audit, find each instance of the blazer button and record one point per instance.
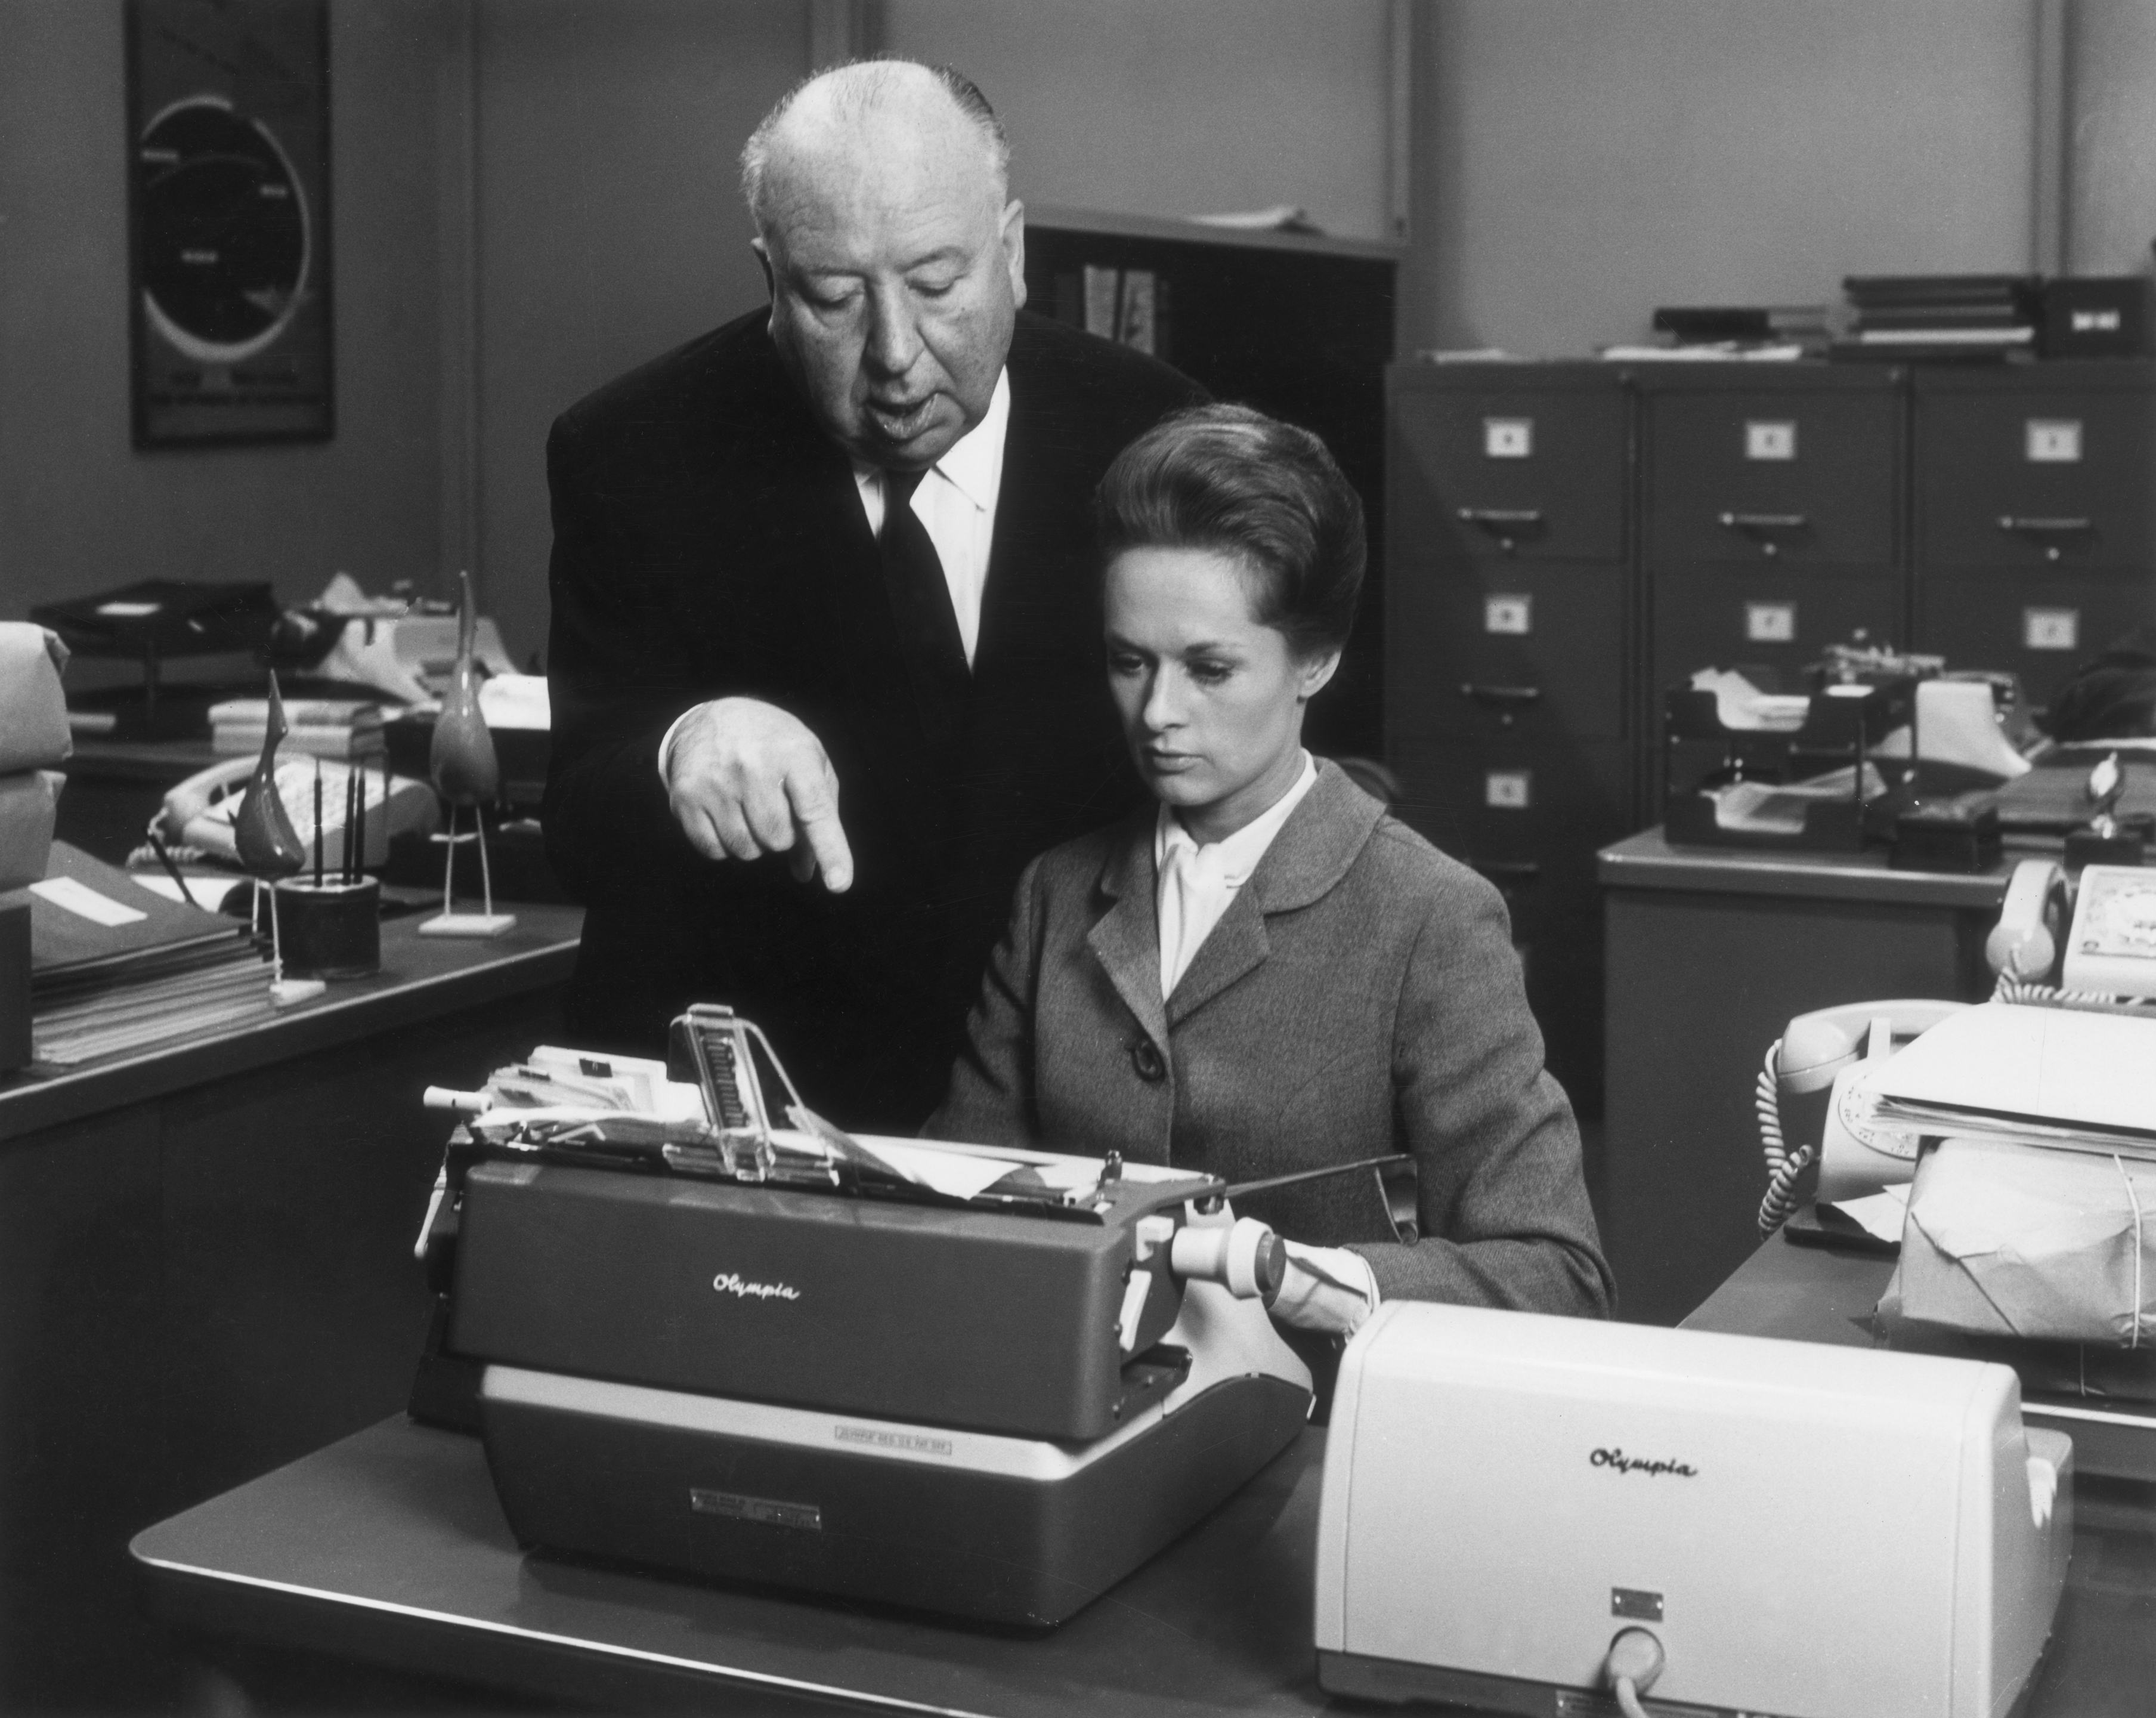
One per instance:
(1146, 1058)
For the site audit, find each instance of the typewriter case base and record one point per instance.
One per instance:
(999, 1528)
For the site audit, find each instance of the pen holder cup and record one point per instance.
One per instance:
(330, 931)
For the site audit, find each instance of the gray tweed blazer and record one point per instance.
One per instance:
(1360, 996)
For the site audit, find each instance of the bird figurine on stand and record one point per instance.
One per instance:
(269, 847)
(465, 772)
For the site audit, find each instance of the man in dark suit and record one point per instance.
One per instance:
(825, 658)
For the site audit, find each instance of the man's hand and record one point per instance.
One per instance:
(745, 779)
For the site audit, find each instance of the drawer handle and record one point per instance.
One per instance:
(1507, 701)
(1501, 871)
(1764, 525)
(2023, 525)
(1507, 524)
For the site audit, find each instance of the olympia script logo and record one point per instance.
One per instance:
(731, 1283)
(1634, 1464)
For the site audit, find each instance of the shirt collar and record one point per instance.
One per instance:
(974, 463)
(1237, 854)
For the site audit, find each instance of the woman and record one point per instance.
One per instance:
(1266, 973)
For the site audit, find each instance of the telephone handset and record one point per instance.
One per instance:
(1836, 1053)
(2024, 946)
(199, 811)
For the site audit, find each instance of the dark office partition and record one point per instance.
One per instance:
(1297, 325)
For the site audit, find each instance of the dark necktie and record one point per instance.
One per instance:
(921, 605)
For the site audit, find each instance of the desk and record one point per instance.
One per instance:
(206, 1269)
(388, 1549)
(1708, 952)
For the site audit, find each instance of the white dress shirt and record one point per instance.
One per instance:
(1194, 884)
(956, 503)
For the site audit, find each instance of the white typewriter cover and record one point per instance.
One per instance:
(1807, 1529)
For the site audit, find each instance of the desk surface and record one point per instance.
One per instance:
(389, 1547)
(421, 977)
(1648, 861)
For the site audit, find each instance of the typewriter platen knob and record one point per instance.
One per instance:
(1245, 1257)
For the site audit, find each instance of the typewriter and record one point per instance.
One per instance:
(714, 1335)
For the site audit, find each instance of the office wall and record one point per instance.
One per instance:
(2111, 158)
(607, 226)
(80, 508)
(1201, 105)
(1578, 164)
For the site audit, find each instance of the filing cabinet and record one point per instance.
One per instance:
(2033, 497)
(1771, 516)
(1509, 688)
(1564, 541)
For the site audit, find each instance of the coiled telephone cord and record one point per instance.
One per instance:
(1783, 1166)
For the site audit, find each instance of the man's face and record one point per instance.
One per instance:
(896, 273)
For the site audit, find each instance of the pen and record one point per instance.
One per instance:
(350, 816)
(359, 841)
(318, 823)
(172, 870)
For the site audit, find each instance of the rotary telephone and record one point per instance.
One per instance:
(2098, 933)
(1835, 1055)
(199, 813)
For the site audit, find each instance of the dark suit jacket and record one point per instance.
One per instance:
(709, 541)
(1359, 997)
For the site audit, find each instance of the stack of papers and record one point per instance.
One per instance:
(115, 966)
(324, 727)
(2059, 1078)
(1741, 706)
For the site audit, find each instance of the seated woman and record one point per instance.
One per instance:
(1267, 972)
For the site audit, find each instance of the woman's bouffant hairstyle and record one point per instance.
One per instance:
(1233, 480)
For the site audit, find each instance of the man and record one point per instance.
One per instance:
(825, 656)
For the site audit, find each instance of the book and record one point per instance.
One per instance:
(336, 743)
(299, 713)
(88, 918)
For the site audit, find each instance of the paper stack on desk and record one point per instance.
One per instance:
(2004, 1242)
(324, 727)
(2055, 1078)
(115, 966)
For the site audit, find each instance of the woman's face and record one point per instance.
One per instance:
(1211, 700)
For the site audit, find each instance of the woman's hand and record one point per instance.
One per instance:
(1328, 1289)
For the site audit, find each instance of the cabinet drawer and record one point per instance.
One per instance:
(1796, 476)
(1521, 472)
(1716, 617)
(1530, 817)
(2034, 476)
(1476, 647)
(2041, 626)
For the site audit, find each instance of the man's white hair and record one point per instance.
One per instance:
(857, 87)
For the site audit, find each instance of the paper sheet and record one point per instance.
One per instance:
(1879, 1214)
(2000, 1066)
(1957, 723)
(1741, 706)
(85, 902)
(207, 893)
(957, 1175)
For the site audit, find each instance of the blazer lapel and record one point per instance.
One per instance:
(1237, 945)
(1311, 854)
(1125, 940)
